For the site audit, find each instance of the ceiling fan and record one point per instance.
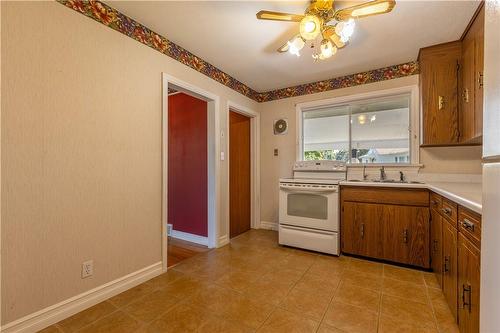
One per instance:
(320, 19)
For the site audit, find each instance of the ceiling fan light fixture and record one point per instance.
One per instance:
(376, 8)
(295, 45)
(310, 27)
(345, 30)
(327, 49)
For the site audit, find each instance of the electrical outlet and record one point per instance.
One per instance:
(169, 229)
(87, 269)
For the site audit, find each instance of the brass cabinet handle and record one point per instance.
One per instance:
(362, 230)
(447, 211)
(480, 79)
(466, 301)
(434, 202)
(446, 267)
(440, 102)
(405, 236)
(467, 224)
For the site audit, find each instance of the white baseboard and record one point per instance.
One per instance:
(269, 225)
(62, 310)
(223, 240)
(189, 237)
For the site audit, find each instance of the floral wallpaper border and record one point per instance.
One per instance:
(112, 18)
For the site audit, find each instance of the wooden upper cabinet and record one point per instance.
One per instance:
(469, 268)
(451, 88)
(438, 93)
(471, 81)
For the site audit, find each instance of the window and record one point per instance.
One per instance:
(375, 130)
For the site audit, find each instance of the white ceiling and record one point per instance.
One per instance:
(228, 35)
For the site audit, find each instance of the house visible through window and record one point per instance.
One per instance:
(366, 131)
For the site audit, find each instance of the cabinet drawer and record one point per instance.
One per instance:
(436, 202)
(469, 223)
(385, 195)
(449, 210)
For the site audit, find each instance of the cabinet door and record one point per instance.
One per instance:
(361, 228)
(471, 113)
(450, 266)
(406, 235)
(437, 245)
(469, 268)
(439, 87)
(467, 121)
(479, 65)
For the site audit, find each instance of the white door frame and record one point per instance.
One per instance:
(213, 158)
(254, 163)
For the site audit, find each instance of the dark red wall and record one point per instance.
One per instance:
(187, 164)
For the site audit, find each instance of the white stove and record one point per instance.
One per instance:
(309, 206)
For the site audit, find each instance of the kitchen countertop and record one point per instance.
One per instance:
(465, 194)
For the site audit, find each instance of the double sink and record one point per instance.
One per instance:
(391, 181)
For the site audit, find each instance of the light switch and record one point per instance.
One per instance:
(222, 157)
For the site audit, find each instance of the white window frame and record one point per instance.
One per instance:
(414, 120)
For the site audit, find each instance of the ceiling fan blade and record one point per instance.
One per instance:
(365, 9)
(329, 33)
(278, 16)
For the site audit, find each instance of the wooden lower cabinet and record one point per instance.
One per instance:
(450, 266)
(405, 235)
(437, 245)
(361, 229)
(469, 267)
(391, 232)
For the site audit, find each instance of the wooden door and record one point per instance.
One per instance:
(439, 86)
(450, 266)
(437, 245)
(239, 173)
(406, 235)
(361, 229)
(469, 268)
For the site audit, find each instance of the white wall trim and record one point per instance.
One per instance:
(213, 114)
(255, 161)
(223, 240)
(269, 225)
(415, 131)
(62, 310)
(202, 240)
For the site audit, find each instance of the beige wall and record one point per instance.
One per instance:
(437, 160)
(81, 153)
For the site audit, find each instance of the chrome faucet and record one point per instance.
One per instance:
(383, 176)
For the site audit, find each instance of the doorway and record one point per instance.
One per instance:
(201, 154)
(239, 174)
(187, 176)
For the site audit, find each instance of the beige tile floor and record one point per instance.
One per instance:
(255, 285)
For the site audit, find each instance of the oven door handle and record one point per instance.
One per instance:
(308, 189)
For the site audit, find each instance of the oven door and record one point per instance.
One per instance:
(309, 206)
